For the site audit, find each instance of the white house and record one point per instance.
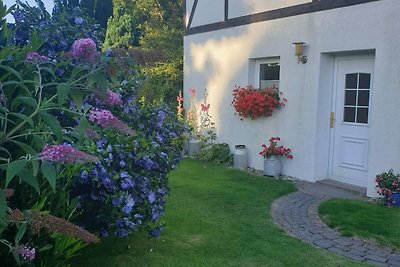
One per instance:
(342, 119)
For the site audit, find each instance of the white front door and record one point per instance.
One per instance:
(351, 107)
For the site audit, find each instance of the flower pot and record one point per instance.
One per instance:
(272, 166)
(194, 146)
(240, 157)
(396, 199)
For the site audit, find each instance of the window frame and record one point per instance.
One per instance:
(258, 63)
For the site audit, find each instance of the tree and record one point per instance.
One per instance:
(122, 27)
(152, 25)
(162, 31)
(100, 10)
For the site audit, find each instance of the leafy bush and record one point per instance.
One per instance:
(59, 138)
(218, 153)
(67, 23)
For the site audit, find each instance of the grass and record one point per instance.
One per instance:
(364, 219)
(215, 216)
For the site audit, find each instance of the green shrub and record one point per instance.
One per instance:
(217, 153)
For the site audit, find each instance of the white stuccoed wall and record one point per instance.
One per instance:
(213, 8)
(239, 8)
(219, 60)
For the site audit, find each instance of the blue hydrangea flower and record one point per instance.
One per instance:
(151, 197)
(156, 232)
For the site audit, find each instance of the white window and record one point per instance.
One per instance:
(267, 73)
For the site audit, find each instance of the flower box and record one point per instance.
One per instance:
(256, 103)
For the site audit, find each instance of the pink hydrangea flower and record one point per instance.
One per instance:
(35, 57)
(84, 49)
(26, 253)
(107, 120)
(65, 154)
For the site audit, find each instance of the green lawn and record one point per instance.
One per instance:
(361, 218)
(215, 217)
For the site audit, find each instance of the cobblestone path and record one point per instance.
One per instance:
(297, 214)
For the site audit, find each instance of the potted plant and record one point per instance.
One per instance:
(255, 103)
(388, 185)
(271, 153)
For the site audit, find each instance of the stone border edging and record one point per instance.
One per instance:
(297, 214)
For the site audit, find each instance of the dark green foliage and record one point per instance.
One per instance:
(100, 10)
(162, 31)
(123, 27)
(153, 26)
(163, 81)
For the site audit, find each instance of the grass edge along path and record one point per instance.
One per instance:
(215, 216)
(364, 219)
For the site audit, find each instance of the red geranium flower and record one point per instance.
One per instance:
(255, 103)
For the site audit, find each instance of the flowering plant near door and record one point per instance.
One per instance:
(388, 185)
(274, 149)
(272, 163)
(256, 103)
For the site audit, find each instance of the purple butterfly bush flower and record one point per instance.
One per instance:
(107, 120)
(111, 99)
(65, 154)
(84, 49)
(35, 57)
(26, 252)
(92, 134)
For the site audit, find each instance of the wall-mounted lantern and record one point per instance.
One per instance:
(299, 50)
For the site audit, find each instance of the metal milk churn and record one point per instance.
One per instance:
(240, 156)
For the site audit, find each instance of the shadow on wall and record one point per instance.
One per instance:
(217, 62)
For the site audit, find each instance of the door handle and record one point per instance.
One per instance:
(332, 120)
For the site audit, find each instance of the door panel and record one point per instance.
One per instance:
(352, 106)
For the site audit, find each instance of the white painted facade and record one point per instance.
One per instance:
(220, 59)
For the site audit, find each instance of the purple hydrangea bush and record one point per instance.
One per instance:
(125, 191)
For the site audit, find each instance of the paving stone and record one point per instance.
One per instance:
(379, 252)
(357, 241)
(354, 257)
(356, 252)
(337, 251)
(339, 246)
(323, 243)
(343, 241)
(376, 263)
(358, 247)
(332, 236)
(375, 258)
(394, 263)
(394, 257)
(370, 246)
